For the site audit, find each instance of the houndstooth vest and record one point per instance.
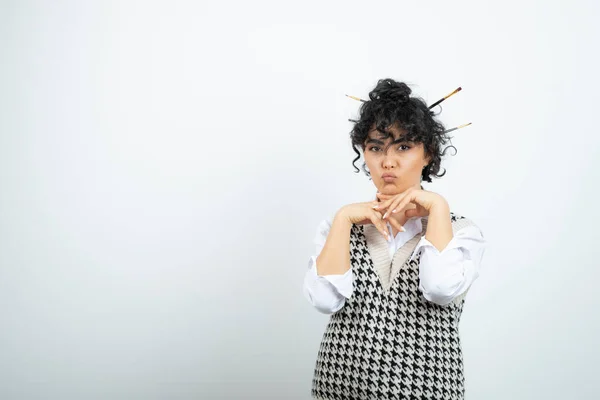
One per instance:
(388, 341)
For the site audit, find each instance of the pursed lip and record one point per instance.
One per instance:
(388, 176)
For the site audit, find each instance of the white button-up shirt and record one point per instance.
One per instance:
(442, 275)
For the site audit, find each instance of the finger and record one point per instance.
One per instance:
(384, 196)
(396, 224)
(401, 203)
(378, 222)
(416, 212)
(375, 205)
(413, 212)
(382, 205)
(384, 229)
(391, 207)
(394, 205)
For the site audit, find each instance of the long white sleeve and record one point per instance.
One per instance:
(326, 293)
(445, 275)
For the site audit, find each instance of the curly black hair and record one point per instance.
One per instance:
(391, 104)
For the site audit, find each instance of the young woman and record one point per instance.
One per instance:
(393, 272)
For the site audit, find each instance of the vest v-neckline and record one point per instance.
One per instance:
(387, 269)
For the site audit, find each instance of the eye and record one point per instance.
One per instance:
(373, 148)
(405, 146)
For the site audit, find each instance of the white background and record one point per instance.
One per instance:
(164, 167)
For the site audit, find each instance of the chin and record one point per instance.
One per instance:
(391, 188)
(388, 189)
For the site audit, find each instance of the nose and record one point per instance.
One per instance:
(388, 162)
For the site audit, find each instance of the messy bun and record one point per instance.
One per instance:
(391, 91)
(390, 103)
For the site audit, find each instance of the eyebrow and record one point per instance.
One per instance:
(371, 140)
(379, 142)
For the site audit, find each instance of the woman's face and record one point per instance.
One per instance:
(395, 165)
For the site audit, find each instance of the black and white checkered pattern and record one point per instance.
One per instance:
(390, 345)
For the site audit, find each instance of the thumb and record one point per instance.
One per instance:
(413, 212)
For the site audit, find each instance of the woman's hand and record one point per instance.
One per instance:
(364, 213)
(424, 200)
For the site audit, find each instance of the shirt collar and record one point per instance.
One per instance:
(413, 226)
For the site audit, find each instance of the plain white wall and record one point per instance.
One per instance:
(164, 167)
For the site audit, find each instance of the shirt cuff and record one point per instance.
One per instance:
(341, 283)
(447, 274)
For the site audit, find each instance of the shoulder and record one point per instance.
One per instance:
(460, 219)
(324, 226)
(465, 225)
(462, 224)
